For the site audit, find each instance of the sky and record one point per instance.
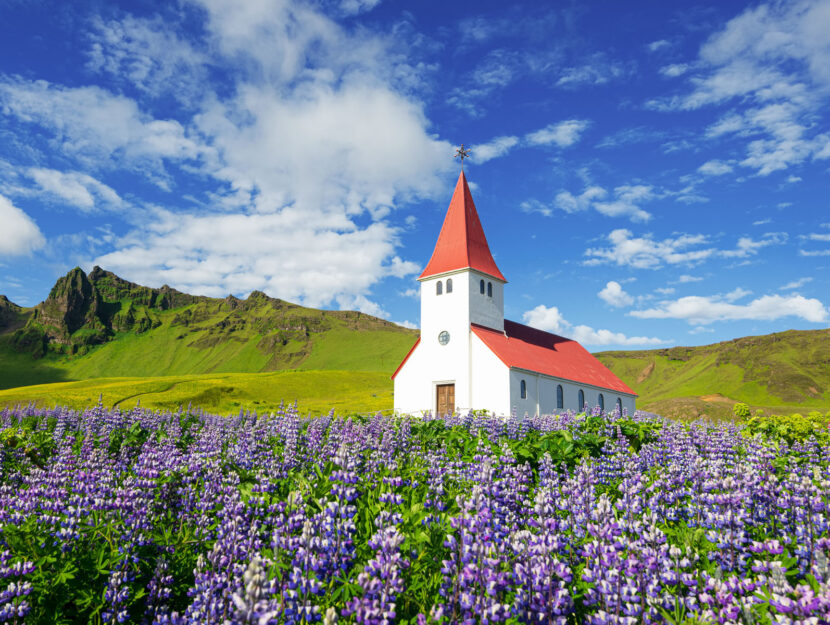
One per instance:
(647, 174)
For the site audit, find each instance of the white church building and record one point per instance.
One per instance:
(470, 357)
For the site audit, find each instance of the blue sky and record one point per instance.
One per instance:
(648, 174)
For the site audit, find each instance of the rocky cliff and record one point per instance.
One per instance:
(84, 310)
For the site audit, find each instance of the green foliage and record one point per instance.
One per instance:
(741, 410)
(791, 428)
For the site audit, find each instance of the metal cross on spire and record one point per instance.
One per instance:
(462, 153)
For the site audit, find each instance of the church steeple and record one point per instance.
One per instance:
(461, 243)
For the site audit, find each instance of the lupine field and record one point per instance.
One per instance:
(186, 517)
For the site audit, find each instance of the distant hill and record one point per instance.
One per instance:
(102, 326)
(99, 325)
(779, 373)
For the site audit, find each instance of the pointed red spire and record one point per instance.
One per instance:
(462, 243)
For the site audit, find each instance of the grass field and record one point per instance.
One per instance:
(315, 391)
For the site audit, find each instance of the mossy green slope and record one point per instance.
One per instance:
(781, 372)
(102, 326)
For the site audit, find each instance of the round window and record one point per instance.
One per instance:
(444, 337)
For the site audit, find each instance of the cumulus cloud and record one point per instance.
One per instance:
(687, 249)
(715, 168)
(98, 127)
(647, 253)
(748, 246)
(551, 320)
(772, 60)
(483, 152)
(293, 149)
(700, 311)
(76, 189)
(562, 134)
(145, 54)
(614, 295)
(677, 69)
(325, 259)
(21, 236)
(598, 70)
(624, 202)
(796, 284)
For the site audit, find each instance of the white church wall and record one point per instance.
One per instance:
(484, 309)
(412, 388)
(541, 394)
(490, 379)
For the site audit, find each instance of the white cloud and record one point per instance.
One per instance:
(773, 60)
(818, 237)
(551, 320)
(677, 69)
(407, 324)
(353, 7)
(699, 311)
(715, 168)
(483, 152)
(795, 284)
(571, 203)
(76, 189)
(749, 247)
(647, 253)
(625, 202)
(809, 253)
(762, 222)
(21, 236)
(562, 134)
(547, 319)
(293, 148)
(654, 46)
(599, 70)
(325, 259)
(98, 127)
(685, 279)
(614, 295)
(362, 304)
(148, 55)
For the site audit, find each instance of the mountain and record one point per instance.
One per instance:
(12, 316)
(100, 325)
(778, 373)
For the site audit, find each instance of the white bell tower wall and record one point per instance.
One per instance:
(486, 304)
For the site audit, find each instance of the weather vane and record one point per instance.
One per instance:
(462, 153)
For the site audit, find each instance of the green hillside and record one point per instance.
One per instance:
(100, 326)
(98, 333)
(783, 372)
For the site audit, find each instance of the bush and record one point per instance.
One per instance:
(741, 410)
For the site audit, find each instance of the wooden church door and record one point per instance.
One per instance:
(445, 394)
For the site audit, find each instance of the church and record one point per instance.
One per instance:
(469, 357)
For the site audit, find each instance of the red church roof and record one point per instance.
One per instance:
(528, 348)
(462, 243)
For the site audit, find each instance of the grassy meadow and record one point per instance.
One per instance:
(316, 391)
